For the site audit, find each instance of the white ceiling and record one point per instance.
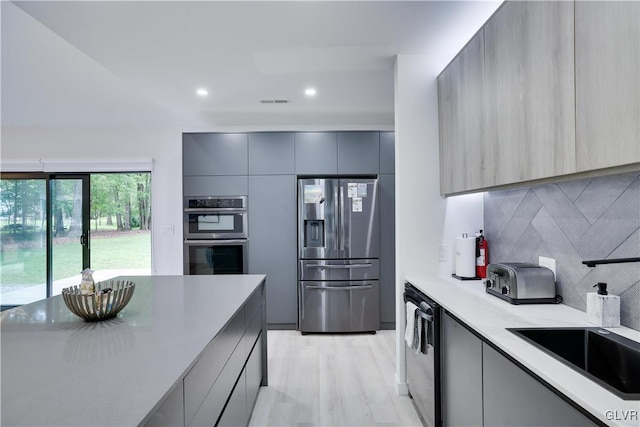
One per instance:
(88, 63)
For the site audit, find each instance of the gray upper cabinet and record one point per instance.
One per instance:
(359, 153)
(464, 143)
(232, 185)
(387, 152)
(214, 154)
(529, 90)
(607, 83)
(271, 153)
(316, 153)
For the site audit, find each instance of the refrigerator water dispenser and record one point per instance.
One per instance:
(313, 233)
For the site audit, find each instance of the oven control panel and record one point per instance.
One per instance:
(239, 202)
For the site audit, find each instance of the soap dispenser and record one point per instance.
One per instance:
(603, 309)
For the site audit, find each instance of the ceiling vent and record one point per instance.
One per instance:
(274, 101)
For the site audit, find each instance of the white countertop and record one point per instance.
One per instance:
(489, 316)
(58, 370)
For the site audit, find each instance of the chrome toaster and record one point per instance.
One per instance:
(521, 283)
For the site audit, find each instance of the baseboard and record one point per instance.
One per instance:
(402, 388)
(281, 326)
(386, 326)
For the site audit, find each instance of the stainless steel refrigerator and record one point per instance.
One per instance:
(338, 255)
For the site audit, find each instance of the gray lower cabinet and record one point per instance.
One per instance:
(513, 398)
(171, 412)
(239, 407)
(272, 244)
(235, 413)
(607, 84)
(254, 370)
(222, 386)
(461, 374)
(359, 153)
(481, 387)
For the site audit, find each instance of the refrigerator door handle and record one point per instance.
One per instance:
(339, 288)
(341, 219)
(366, 265)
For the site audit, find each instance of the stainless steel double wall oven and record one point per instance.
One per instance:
(215, 235)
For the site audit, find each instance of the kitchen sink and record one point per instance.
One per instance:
(607, 358)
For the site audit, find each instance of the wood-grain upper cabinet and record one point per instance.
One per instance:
(607, 84)
(463, 136)
(529, 91)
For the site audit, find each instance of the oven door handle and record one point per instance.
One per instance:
(215, 211)
(220, 242)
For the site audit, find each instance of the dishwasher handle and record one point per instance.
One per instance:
(426, 316)
(426, 312)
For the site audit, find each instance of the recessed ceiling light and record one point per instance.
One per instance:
(310, 91)
(202, 92)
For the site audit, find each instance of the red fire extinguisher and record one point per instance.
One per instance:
(482, 255)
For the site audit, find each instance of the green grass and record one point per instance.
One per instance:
(28, 266)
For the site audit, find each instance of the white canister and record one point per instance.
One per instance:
(465, 256)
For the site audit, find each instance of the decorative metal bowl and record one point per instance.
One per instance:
(105, 303)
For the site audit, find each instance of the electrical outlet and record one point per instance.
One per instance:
(167, 230)
(442, 253)
(550, 263)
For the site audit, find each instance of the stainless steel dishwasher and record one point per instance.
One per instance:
(423, 365)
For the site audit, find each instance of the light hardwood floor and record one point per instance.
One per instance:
(332, 380)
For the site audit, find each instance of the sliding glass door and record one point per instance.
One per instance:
(44, 221)
(23, 237)
(69, 219)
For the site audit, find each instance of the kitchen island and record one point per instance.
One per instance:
(487, 319)
(180, 344)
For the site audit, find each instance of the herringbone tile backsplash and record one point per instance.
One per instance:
(594, 218)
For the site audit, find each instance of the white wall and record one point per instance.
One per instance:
(76, 145)
(464, 214)
(424, 219)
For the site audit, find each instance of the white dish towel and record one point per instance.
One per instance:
(413, 331)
